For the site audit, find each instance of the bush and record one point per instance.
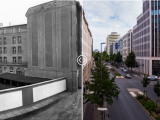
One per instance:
(117, 74)
(149, 105)
(139, 97)
(112, 69)
(157, 118)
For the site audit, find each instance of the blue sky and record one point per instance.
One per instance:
(107, 16)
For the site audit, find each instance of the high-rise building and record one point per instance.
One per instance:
(111, 39)
(146, 40)
(127, 43)
(13, 49)
(105, 48)
(120, 45)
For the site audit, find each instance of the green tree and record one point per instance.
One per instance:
(94, 53)
(145, 83)
(157, 91)
(107, 59)
(118, 57)
(130, 61)
(103, 89)
(104, 55)
(97, 55)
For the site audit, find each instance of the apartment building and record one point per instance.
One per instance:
(111, 39)
(127, 43)
(13, 49)
(87, 44)
(146, 38)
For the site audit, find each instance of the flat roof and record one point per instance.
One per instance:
(22, 78)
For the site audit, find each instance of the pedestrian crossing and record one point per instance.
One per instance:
(134, 92)
(119, 77)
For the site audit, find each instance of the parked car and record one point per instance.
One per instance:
(125, 70)
(127, 76)
(153, 77)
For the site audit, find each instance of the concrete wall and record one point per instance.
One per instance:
(27, 95)
(54, 38)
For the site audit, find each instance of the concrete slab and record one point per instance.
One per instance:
(3, 116)
(10, 114)
(16, 112)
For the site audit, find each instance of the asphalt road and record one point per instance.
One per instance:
(125, 107)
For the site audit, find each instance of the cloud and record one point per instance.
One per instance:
(105, 17)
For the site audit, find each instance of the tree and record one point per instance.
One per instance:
(107, 59)
(97, 55)
(145, 83)
(118, 57)
(131, 60)
(157, 91)
(103, 89)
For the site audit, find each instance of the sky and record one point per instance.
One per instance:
(109, 16)
(13, 11)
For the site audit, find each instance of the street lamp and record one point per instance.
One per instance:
(101, 58)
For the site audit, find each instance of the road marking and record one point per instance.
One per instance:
(140, 93)
(133, 94)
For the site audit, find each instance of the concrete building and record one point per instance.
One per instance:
(87, 48)
(120, 45)
(146, 38)
(55, 41)
(111, 49)
(114, 49)
(111, 39)
(13, 49)
(105, 48)
(127, 43)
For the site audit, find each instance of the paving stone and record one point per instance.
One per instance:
(10, 114)
(17, 112)
(3, 116)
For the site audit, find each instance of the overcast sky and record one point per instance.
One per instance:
(13, 11)
(107, 16)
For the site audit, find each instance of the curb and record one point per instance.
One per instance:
(143, 108)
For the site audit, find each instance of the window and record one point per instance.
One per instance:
(14, 59)
(0, 50)
(13, 30)
(155, 12)
(152, 20)
(13, 40)
(14, 50)
(5, 59)
(0, 41)
(5, 68)
(155, 3)
(11, 69)
(19, 49)
(4, 41)
(155, 20)
(4, 31)
(19, 39)
(152, 4)
(158, 3)
(152, 12)
(19, 59)
(19, 29)
(0, 59)
(4, 50)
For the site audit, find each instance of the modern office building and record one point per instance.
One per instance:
(111, 39)
(146, 40)
(120, 45)
(87, 43)
(55, 41)
(111, 49)
(127, 43)
(105, 48)
(96, 50)
(13, 49)
(114, 48)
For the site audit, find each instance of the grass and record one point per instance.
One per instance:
(117, 74)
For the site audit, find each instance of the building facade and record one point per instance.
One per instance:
(120, 45)
(105, 48)
(146, 38)
(13, 49)
(87, 43)
(111, 39)
(96, 50)
(111, 49)
(127, 43)
(55, 41)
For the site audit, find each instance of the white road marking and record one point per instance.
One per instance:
(140, 93)
(133, 94)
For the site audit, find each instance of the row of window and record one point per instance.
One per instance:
(13, 50)
(13, 40)
(14, 60)
(155, 3)
(13, 30)
(155, 12)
